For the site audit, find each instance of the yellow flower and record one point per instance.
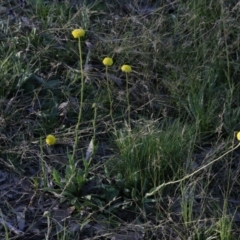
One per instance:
(238, 136)
(77, 33)
(50, 139)
(107, 61)
(126, 68)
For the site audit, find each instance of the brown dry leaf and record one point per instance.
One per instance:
(62, 214)
(63, 108)
(89, 150)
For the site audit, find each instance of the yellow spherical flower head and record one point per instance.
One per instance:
(238, 136)
(107, 61)
(50, 139)
(77, 33)
(126, 68)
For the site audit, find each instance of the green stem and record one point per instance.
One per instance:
(128, 102)
(109, 94)
(81, 98)
(94, 122)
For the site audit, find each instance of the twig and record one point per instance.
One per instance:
(189, 175)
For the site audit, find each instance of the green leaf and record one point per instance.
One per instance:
(51, 83)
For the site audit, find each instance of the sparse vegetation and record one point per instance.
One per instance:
(127, 127)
